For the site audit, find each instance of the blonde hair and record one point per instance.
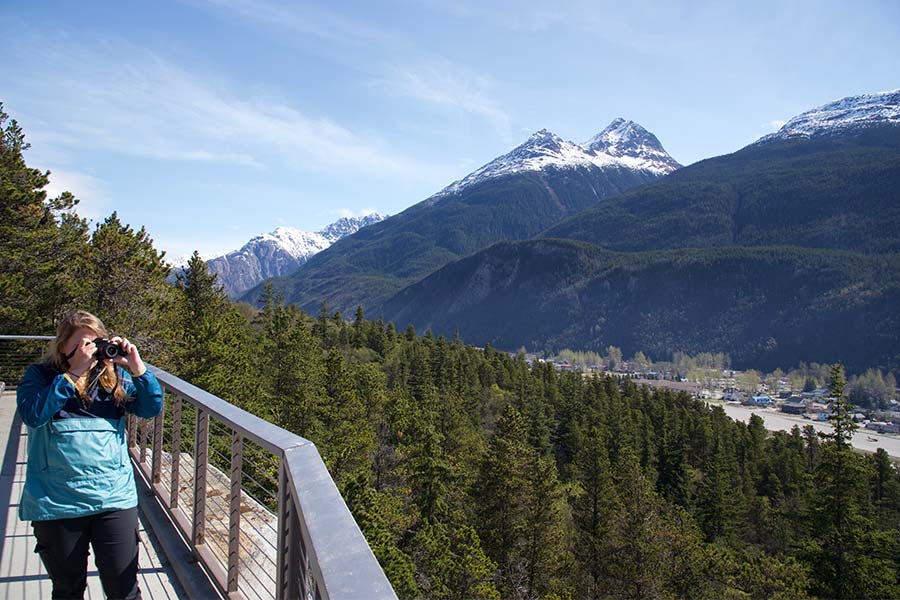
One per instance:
(79, 319)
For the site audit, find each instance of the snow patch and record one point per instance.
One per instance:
(848, 113)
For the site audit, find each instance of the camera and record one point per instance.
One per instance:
(107, 349)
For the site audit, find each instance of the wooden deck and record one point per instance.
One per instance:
(21, 573)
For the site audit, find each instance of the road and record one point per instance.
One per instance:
(778, 421)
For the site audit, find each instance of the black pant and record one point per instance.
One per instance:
(63, 547)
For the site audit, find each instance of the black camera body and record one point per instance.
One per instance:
(107, 349)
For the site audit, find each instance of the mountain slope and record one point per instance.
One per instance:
(838, 187)
(279, 253)
(765, 306)
(515, 196)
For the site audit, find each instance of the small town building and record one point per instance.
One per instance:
(793, 407)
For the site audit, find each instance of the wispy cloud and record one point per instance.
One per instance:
(776, 125)
(131, 101)
(435, 81)
(449, 87)
(303, 19)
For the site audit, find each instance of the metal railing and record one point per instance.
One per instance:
(254, 502)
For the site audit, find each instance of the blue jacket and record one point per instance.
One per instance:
(78, 461)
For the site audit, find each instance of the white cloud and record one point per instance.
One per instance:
(90, 191)
(776, 125)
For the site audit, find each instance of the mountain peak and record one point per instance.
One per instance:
(622, 145)
(852, 112)
(626, 139)
(347, 225)
(622, 132)
(280, 252)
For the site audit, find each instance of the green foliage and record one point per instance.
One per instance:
(130, 290)
(872, 389)
(43, 245)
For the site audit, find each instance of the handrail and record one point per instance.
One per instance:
(320, 552)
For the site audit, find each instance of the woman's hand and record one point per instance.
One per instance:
(82, 349)
(132, 359)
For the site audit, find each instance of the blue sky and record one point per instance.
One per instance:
(210, 121)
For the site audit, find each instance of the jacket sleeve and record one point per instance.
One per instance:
(147, 393)
(39, 400)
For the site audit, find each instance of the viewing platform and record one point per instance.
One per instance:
(231, 506)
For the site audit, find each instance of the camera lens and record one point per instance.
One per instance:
(111, 350)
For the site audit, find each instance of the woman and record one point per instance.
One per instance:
(79, 484)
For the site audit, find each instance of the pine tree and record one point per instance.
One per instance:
(129, 284)
(595, 509)
(548, 530)
(214, 338)
(43, 244)
(847, 558)
(346, 439)
(501, 502)
(841, 417)
(292, 373)
(451, 563)
(367, 508)
(358, 324)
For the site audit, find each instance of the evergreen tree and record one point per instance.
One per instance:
(214, 352)
(501, 502)
(847, 558)
(292, 374)
(548, 530)
(595, 509)
(367, 508)
(358, 328)
(43, 244)
(130, 288)
(346, 439)
(451, 563)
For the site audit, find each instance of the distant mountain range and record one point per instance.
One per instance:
(786, 250)
(513, 197)
(280, 253)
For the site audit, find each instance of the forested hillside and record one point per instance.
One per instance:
(471, 473)
(767, 307)
(839, 192)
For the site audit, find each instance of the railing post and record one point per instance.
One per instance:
(176, 452)
(156, 470)
(130, 423)
(234, 516)
(201, 460)
(291, 571)
(144, 427)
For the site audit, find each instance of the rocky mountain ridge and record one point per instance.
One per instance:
(280, 252)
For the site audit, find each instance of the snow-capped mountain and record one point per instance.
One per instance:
(849, 113)
(622, 145)
(634, 146)
(280, 252)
